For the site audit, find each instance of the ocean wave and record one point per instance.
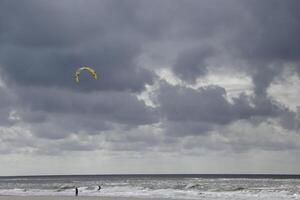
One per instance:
(193, 186)
(180, 188)
(65, 187)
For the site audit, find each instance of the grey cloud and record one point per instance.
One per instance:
(205, 104)
(46, 42)
(68, 23)
(115, 65)
(59, 127)
(263, 75)
(43, 42)
(290, 120)
(191, 64)
(241, 137)
(6, 108)
(197, 111)
(134, 140)
(68, 112)
(262, 35)
(188, 128)
(275, 29)
(268, 42)
(121, 107)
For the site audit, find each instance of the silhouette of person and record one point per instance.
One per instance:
(76, 191)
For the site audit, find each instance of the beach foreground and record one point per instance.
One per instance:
(69, 198)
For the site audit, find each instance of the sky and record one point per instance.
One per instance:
(206, 86)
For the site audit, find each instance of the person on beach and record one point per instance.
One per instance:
(76, 191)
(99, 187)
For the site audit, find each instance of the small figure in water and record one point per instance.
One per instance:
(99, 187)
(76, 191)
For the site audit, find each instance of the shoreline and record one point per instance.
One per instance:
(14, 197)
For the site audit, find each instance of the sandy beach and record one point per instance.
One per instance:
(70, 198)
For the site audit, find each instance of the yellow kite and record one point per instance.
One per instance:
(90, 70)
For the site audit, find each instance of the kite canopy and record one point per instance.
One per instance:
(90, 70)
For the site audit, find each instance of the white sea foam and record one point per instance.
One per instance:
(176, 188)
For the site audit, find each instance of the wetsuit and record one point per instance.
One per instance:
(76, 191)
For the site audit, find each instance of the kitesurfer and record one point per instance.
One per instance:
(76, 191)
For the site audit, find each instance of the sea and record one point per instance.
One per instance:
(179, 186)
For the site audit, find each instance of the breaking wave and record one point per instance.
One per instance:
(175, 188)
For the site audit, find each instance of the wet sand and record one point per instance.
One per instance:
(70, 198)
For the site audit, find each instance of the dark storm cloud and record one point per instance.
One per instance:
(273, 32)
(43, 42)
(263, 75)
(90, 34)
(197, 111)
(263, 36)
(69, 112)
(190, 64)
(269, 41)
(269, 44)
(120, 107)
(208, 104)
(47, 41)
(6, 108)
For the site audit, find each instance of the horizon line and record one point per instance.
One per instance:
(153, 174)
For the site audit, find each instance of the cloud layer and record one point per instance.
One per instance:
(130, 43)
